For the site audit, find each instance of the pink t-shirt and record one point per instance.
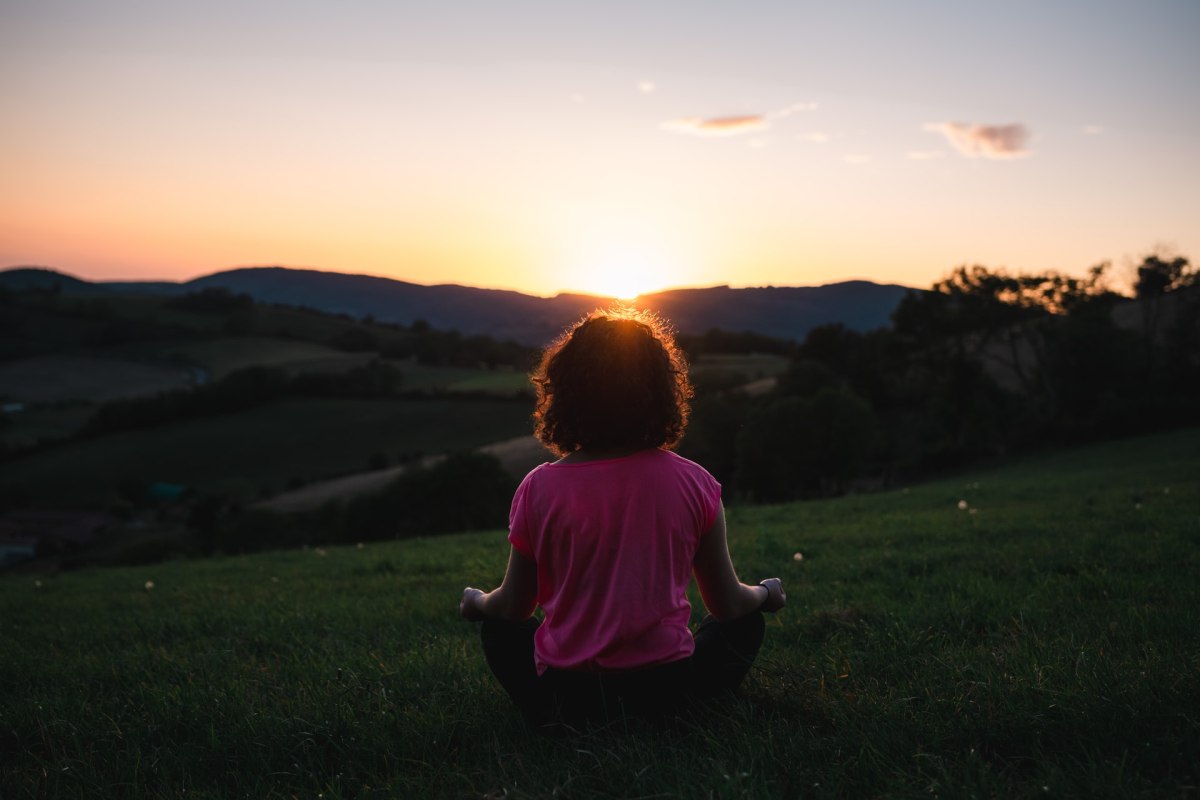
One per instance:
(614, 542)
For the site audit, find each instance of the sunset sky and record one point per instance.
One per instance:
(612, 147)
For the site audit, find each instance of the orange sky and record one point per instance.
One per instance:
(608, 148)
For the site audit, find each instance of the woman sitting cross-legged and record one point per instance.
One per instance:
(606, 540)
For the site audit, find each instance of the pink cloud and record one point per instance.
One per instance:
(984, 141)
(718, 126)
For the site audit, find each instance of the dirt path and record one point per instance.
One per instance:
(315, 495)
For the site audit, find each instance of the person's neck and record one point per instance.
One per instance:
(598, 454)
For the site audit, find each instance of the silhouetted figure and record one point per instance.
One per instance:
(606, 540)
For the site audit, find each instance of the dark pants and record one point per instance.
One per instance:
(724, 652)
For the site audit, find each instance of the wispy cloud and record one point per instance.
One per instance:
(817, 137)
(1093, 130)
(733, 125)
(856, 158)
(718, 126)
(646, 87)
(924, 155)
(984, 141)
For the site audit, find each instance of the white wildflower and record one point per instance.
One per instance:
(798, 556)
(962, 505)
(149, 585)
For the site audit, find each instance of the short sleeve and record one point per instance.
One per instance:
(702, 490)
(711, 492)
(520, 519)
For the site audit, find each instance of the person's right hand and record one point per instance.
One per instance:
(776, 597)
(467, 607)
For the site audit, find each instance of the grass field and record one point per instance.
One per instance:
(223, 355)
(1042, 641)
(501, 382)
(65, 378)
(751, 365)
(263, 448)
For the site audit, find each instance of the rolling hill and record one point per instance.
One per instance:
(782, 312)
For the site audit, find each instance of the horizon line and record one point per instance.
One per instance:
(558, 293)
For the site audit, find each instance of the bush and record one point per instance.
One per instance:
(466, 491)
(804, 446)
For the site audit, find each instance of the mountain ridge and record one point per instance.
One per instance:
(787, 312)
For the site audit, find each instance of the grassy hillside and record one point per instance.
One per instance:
(1042, 641)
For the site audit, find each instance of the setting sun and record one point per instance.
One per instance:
(623, 275)
(624, 271)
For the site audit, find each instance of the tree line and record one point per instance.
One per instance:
(985, 363)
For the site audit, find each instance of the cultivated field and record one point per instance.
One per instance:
(223, 355)
(1031, 630)
(67, 378)
(259, 451)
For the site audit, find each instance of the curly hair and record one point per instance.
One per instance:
(613, 380)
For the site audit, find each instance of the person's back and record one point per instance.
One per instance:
(614, 540)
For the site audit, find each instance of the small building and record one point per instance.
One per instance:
(162, 493)
(15, 549)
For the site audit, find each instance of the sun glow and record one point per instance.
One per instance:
(625, 274)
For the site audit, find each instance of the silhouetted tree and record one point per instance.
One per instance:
(1156, 275)
(711, 437)
(466, 491)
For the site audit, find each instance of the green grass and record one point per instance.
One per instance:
(263, 448)
(1046, 645)
(501, 382)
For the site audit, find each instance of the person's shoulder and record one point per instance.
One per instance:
(533, 475)
(682, 464)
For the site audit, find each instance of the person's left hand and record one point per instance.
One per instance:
(468, 608)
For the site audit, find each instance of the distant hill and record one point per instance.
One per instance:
(24, 279)
(782, 312)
